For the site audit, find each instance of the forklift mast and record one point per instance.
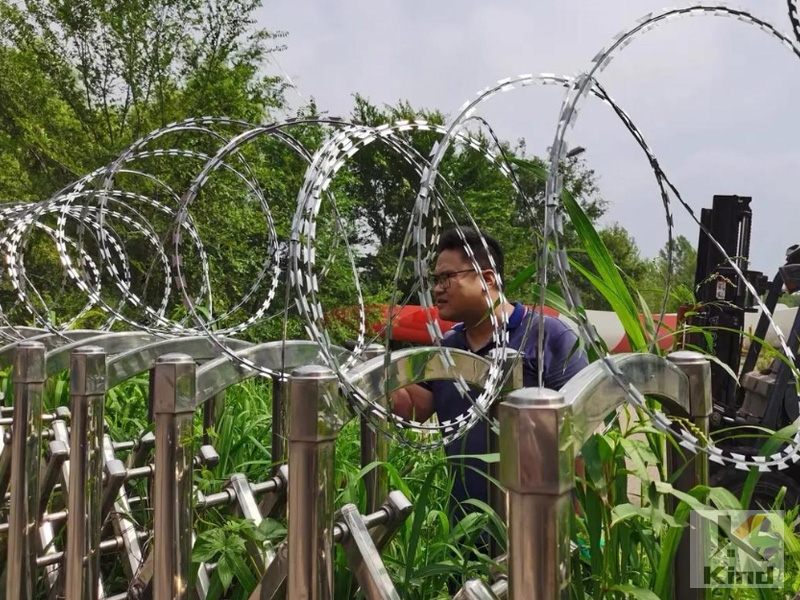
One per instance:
(721, 296)
(757, 398)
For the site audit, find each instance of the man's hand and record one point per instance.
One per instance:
(413, 403)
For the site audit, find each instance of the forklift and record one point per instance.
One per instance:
(759, 398)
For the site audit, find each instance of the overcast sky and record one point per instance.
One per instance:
(716, 99)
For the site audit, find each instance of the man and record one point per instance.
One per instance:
(459, 296)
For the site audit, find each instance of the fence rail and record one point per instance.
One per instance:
(72, 499)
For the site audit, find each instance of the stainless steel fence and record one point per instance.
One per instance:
(553, 426)
(72, 498)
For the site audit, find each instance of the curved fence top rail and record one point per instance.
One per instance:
(142, 359)
(111, 343)
(594, 393)
(415, 365)
(50, 341)
(20, 333)
(223, 372)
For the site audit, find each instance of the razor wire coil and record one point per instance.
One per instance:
(97, 214)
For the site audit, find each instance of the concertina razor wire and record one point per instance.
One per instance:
(90, 221)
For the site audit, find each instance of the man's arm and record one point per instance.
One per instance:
(413, 403)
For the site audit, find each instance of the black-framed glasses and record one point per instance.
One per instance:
(444, 279)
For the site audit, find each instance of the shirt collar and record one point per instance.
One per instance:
(514, 319)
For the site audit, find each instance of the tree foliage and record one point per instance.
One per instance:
(105, 74)
(646, 278)
(510, 208)
(790, 299)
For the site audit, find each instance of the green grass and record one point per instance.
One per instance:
(626, 547)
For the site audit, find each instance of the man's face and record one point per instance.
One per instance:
(461, 296)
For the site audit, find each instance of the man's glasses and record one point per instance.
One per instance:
(444, 279)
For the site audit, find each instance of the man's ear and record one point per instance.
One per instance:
(491, 278)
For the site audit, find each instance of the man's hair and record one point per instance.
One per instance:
(451, 240)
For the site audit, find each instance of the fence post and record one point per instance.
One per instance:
(279, 434)
(26, 450)
(374, 447)
(87, 381)
(512, 376)
(174, 396)
(698, 370)
(537, 468)
(316, 414)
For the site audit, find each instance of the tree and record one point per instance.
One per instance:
(470, 183)
(790, 299)
(108, 74)
(684, 261)
(625, 253)
(653, 283)
(103, 75)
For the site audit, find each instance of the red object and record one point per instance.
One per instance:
(665, 334)
(409, 323)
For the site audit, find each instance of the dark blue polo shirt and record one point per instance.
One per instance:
(561, 362)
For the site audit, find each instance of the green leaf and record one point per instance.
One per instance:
(609, 281)
(269, 530)
(208, 544)
(669, 544)
(723, 499)
(637, 461)
(522, 277)
(723, 365)
(593, 463)
(605, 449)
(635, 592)
(203, 551)
(770, 446)
(690, 498)
(225, 570)
(420, 509)
(649, 321)
(625, 512)
(244, 574)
